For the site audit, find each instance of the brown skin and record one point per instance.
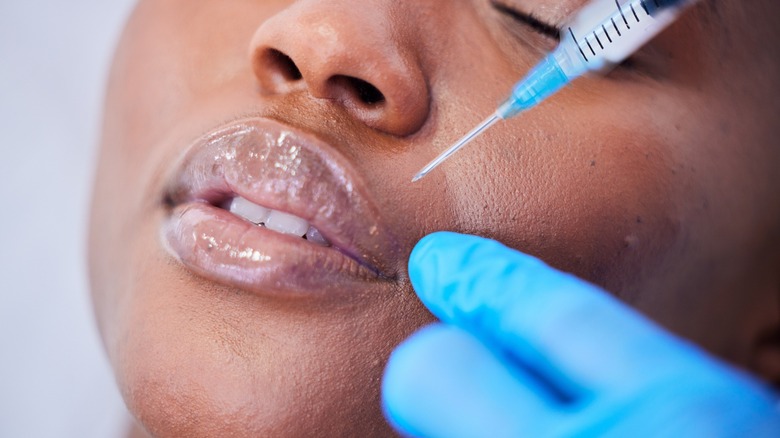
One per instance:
(657, 182)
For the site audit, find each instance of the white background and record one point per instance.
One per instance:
(54, 378)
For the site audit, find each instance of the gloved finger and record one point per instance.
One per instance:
(571, 332)
(443, 382)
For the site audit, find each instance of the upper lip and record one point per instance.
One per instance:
(279, 167)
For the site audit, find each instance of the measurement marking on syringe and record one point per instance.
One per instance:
(621, 14)
(632, 10)
(590, 47)
(598, 40)
(578, 45)
(616, 28)
(644, 6)
(606, 33)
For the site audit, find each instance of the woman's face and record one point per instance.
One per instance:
(655, 181)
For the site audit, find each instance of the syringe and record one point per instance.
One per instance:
(602, 34)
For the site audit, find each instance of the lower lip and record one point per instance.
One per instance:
(225, 248)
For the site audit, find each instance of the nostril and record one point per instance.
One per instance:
(366, 92)
(282, 64)
(361, 90)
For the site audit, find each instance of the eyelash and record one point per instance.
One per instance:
(534, 23)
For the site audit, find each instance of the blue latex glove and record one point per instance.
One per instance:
(526, 350)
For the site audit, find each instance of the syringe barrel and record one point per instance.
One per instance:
(606, 32)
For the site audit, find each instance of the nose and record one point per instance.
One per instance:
(349, 52)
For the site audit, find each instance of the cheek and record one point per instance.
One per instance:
(584, 195)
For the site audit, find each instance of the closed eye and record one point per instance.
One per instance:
(528, 20)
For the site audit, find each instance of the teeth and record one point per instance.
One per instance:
(314, 236)
(275, 220)
(249, 210)
(286, 223)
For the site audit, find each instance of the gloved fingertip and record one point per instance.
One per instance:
(431, 244)
(424, 261)
(435, 258)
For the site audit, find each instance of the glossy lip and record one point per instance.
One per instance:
(283, 169)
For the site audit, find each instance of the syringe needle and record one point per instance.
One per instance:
(454, 148)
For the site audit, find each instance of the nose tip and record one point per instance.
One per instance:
(340, 56)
